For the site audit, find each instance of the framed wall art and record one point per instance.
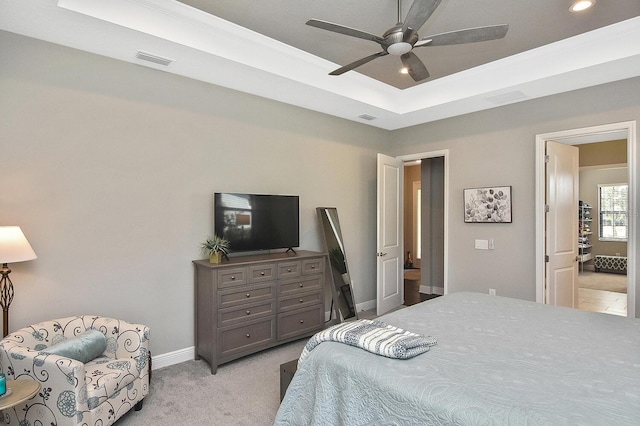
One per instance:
(487, 205)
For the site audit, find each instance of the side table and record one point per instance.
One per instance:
(21, 390)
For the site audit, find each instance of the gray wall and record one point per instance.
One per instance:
(110, 169)
(432, 172)
(497, 147)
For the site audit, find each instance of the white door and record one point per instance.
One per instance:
(561, 272)
(390, 272)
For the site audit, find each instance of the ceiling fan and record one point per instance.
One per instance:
(401, 39)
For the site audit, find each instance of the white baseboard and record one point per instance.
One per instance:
(188, 354)
(365, 306)
(432, 290)
(171, 358)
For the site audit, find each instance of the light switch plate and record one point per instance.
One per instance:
(482, 245)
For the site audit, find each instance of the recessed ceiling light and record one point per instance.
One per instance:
(404, 70)
(579, 5)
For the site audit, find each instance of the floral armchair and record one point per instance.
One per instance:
(74, 393)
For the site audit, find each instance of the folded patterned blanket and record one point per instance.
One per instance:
(373, 336)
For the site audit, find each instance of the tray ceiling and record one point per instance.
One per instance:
(265, 48)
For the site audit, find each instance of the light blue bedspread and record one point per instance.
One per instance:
(498, 361)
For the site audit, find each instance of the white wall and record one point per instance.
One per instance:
(110, 169)
(497, 147)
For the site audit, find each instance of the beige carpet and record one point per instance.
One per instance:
(603, 281)
(243, 392)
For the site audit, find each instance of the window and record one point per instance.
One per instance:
(613, 212)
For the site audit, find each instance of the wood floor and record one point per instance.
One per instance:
(606, 302)
(601, 301)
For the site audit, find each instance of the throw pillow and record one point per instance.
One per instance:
(84, 347)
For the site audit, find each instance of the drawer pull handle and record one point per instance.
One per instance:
(262, 273)
(248, 312)
(301, 285)
(233, 277)
(288, 269)
(301, 321)
(248, 335)
(313, 266)
(301, 301)
(248, 294)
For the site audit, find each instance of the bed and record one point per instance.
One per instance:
(498, 361)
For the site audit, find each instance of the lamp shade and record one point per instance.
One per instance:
(14, 246)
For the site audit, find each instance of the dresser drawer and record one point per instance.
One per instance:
(246, 294)
(300, 285)
(262, 273)
(229, 277)
(246, 337)
(245, 312)
(299, 301)
(289, 269)
(313, 266)
(299, 322)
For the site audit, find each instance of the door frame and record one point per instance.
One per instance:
(565, 136)
(433, 154)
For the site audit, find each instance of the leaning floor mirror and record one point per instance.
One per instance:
(342, 289)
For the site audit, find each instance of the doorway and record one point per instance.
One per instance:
(390, 203)
(577, 136)
(426, 221)
(603, 226)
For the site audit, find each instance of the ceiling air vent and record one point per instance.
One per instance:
(367, 117)
(153, 58)
(507, 98)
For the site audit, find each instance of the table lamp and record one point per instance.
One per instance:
(14, 247)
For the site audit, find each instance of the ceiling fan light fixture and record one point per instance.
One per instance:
(580, 5)
(399, 49)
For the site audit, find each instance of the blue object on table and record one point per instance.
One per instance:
(3, 384)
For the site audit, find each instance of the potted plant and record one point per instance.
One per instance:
(215, 247)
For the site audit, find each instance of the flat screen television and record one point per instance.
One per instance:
(254, 222)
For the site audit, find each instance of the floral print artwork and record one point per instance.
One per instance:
(487, 205)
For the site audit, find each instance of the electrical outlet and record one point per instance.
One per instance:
(492, 292)
(492, 245)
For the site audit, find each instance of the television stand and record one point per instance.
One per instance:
(256, 302)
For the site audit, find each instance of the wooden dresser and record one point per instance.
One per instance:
(252, 303)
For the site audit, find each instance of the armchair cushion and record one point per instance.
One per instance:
(106, 376)
(84, 347)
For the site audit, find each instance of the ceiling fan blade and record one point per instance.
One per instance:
(471, 35)
(337, 28)
(357, 63)
(414, 65)
(418, 14)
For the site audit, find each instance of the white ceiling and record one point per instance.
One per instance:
(546, 51)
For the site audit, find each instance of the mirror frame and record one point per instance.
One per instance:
(343, 301)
